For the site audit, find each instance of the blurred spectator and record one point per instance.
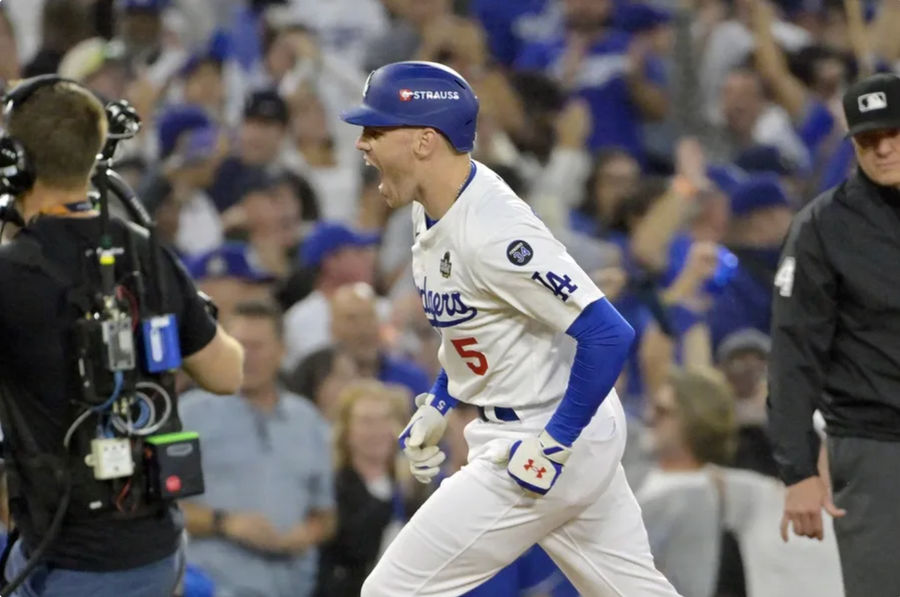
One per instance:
(336, 255)
(371, 503)
(321, 377)
(343, 27)
(688, 503)
(615, 177)
(261, 138)
(602, 65)
(139, 26)
(692, 423)
(230, 275)
(650, 26)
(268, 217)
(269, 498)
(510, 26)
(99, 65)
(749, 119)
(202, 81)
(726, 40)
(63, 24)
(743, 357)
(315, 152)
(355, 331)
(9, 53)
(405, 35)
(191, 149)
(761, 215)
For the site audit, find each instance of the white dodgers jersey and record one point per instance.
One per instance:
(502, 291)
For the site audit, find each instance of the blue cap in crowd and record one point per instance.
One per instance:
(757, 192)
(764, 158)
(637, 17)
(175, 121)
(267, 105)
(142, 5)
(231, 260)
(727, 177)
(329, 237)
(216, 51)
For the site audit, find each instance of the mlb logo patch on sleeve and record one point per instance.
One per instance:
(519, 252)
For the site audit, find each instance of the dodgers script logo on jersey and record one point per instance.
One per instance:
(445, 309)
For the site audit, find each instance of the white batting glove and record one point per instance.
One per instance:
(535, 463)
(420, 437)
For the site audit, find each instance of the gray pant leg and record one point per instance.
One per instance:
(866, 482)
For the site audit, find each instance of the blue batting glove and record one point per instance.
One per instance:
(535, 463)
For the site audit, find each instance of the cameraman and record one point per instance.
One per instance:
(98, 552)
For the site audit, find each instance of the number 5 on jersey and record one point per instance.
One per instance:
(480, 365)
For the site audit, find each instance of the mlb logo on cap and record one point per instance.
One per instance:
(872, 101)
(873, 104)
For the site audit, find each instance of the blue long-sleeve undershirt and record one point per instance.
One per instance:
(604, 339)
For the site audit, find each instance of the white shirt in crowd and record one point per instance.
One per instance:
(685, 514)
(199, 225)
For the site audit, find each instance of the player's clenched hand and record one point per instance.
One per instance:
(420, 438)
(535, 463)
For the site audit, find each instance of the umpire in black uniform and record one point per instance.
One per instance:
(836, 348)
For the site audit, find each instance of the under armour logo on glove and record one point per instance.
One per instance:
(535, 463)
(538, 471)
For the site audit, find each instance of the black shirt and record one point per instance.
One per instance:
(836, 324)
(346, 560)
(36, 353)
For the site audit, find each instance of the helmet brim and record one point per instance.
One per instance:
(366, 116)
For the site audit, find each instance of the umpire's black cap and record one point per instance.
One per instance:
(873, 103)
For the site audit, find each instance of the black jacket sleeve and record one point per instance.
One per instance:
(804, 312)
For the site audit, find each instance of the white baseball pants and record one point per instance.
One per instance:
(479, 520)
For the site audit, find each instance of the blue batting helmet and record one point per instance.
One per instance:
(419, 94)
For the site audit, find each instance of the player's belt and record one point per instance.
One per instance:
(497, 414)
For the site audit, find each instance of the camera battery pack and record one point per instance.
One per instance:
(111, 458)
(174, 467)
(162, 351)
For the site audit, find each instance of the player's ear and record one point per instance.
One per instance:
(426, 142)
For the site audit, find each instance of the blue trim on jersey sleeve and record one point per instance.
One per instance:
(443, 401)
(604, 340)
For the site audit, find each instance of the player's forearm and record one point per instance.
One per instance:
(604, 340)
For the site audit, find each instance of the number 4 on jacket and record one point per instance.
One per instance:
(560, 286)
(480, 366)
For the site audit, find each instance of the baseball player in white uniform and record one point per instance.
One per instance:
(528, 338)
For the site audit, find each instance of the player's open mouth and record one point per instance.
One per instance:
(381, 178)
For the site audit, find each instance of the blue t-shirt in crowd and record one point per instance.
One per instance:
(404, 373)
(746, 301)
(512, 25)
(601, 82)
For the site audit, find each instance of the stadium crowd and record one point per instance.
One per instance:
(666, 143)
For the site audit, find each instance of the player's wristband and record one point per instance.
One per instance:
(442, 399)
